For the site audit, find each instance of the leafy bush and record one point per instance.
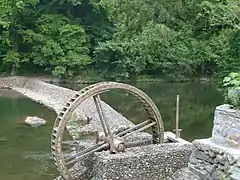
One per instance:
(232, 86)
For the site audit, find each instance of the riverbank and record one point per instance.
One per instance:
(138, 79)
(90, 79)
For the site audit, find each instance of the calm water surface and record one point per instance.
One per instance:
(197, 104)
(25, 151)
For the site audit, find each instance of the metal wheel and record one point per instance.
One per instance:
(106, 139)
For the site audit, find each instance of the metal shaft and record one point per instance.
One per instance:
(142, 128)
(134, 128)
(83, 152)
(177, 118)
(105, 124)
(95, 98)
(103, 146)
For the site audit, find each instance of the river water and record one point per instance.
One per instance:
(25, 151)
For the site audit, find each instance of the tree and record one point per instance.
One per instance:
(12, 18)
(171, 37)
(58, 44)
(121, 38)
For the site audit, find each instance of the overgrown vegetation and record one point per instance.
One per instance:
(231, 84)
(120, 39)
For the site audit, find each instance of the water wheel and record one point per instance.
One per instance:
(106, 138)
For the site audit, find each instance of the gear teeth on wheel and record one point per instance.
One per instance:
(87, 92)
(72, 100)
(68, 104)
(61, 113)
(64, 108)
(54, 136)
(55, 130)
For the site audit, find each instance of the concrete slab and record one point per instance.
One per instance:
(153, 162)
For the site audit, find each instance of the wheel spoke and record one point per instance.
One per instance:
(66, 155)
(104, 121)
(100, 114)
(137, 128)
(84, 154)
(141, 129)
(84, 151)
(70, 143)
(134, 128)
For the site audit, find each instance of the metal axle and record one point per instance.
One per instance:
(118, 144)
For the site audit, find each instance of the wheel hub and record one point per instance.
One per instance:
(118, 145)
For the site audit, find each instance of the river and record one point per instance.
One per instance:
(25, 151)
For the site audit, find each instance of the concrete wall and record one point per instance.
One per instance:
(152, 162)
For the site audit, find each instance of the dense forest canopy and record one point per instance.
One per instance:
(121, 38)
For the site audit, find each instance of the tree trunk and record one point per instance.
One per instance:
(14, 36)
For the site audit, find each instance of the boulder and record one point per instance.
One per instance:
(34, 121)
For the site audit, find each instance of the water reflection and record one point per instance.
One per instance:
(197, 104)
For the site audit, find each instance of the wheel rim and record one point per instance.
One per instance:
(154, 122)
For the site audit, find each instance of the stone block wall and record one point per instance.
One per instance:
(211, 161)
(226, 126)
(218, 157)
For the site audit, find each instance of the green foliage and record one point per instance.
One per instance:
(121, 39)
(225, 177)
(12, 14)
(165, 38)
(88, 76)
(62, 55)
(232, 85)
(232, 80)
(12, 57)
(233, 97)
